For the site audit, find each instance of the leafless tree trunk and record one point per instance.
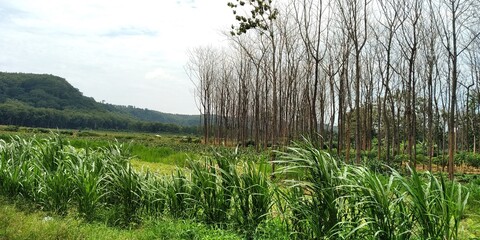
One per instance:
(354, 15)
(201, 68)
(457, 37)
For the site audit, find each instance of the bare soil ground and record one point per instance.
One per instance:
(458, 169)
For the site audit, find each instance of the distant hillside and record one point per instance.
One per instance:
(50, 101)
(44, 91)
(155, 116)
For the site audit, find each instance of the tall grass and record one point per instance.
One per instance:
(333, 200)
(54, 175)
(17, 175)
(89, 188)
(314, 196)
(227, 192)
(377, 203)
(253, 197)
(153, 197)
(436, 205)
(178, 192)
(211, 193)
(124, 191)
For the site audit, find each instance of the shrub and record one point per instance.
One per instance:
(421, 158)
(11, 128)
(473, 160)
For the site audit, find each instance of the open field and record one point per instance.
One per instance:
(142, 186)
(20, 221)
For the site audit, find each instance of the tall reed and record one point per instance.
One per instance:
(330, 200)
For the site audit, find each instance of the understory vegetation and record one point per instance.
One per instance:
(311, 195)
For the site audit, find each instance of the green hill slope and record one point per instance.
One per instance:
(42, 100)
(155, 116)
(44, 91)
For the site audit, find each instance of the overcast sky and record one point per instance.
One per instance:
(124, 52)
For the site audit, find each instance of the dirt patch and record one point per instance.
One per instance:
(465, 169)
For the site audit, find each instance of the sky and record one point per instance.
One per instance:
(119, 51)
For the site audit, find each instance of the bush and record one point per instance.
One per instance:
(87, 134)
(473, 160)
(11, 128)
(440, 160)
(469, 158)
(375, 165)
(421, 158)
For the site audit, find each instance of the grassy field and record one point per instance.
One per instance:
(95, 185)
(19, 221)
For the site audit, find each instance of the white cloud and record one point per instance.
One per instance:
(123, 52)
(158, 74)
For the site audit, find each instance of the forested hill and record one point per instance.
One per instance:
(155, 116)
(42, 100)
(44, 91)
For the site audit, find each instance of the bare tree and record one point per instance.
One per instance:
(312, 22)
(354, 15)
(409, 42)
(201, 70)
(474, 64)
(431, 58)
(457, 19)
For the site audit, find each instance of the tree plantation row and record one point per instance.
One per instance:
(382, 75)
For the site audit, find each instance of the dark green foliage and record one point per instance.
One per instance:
(154, 116)
(44, 91)
(468, 158)
(260, 13)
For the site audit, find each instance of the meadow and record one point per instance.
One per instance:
(95, 185)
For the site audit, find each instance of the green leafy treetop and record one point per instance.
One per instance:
(257, 14)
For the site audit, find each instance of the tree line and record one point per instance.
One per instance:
(19, 114)
(383, 75)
